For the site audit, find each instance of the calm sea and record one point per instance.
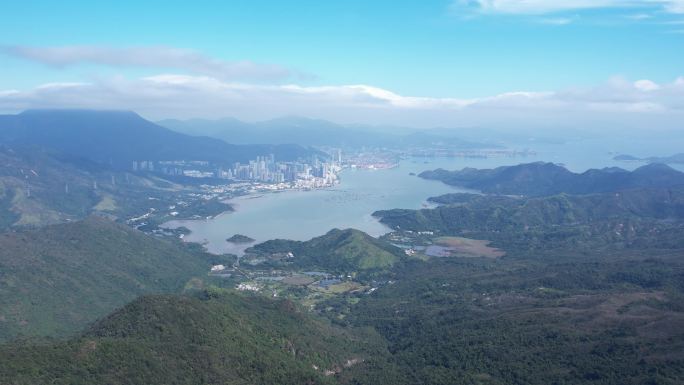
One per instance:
(301, 215)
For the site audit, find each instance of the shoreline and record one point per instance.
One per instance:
(285, 221)
(251, 195)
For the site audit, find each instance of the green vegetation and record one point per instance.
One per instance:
(203, 208)
(541, 179)
(217, 338)
(57, 279)
(239, 238)
(38, 187)
(608, 319)
(497, 214)
(590, 292)
(337, 251)
(572, 289)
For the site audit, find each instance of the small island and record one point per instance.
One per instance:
(672, 159)
(239, 238)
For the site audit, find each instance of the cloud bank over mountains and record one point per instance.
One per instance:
(213, 88)
(636, 104)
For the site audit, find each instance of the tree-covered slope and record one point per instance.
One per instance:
(337, 250)
(219, 338)
(56, 279)
(494, 213)
(39, 187)
(612, 318)
(591, 291)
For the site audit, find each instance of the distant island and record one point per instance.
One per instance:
(239, 238)
(673, 159)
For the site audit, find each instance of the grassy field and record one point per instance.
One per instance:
(342, 287)
(106, 204)
(466, 247)
(298, 280)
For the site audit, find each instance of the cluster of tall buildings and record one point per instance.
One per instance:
(266, 169)
(194, 168)
(311, 172)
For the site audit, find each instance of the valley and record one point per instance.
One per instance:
(493, 274)
(455, 192)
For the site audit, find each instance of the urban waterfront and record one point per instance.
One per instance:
(301, 215)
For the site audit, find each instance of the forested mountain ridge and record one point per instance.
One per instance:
(495, 213)
(56, 279)
(39, 186)
(541, 179)
(209, 338)
(117, 138)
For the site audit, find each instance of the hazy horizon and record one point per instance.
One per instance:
(538, 64)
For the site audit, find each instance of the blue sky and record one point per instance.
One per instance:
(426, 49)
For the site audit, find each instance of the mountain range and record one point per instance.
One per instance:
(469, 212)
(540, 179)
(117, 138)
(317, 132)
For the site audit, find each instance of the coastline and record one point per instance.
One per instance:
(234, 202)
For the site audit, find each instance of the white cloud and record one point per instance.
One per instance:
(536, 7)
(152, 57)
(60, 85)
(638, 16)
(557, 21)
(646, 85)
(540, 7)
(673, 6)
(618, 101)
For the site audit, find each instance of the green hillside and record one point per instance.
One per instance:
(338, 251)
(590, 291)
(495, 213)
(543, 179)
(217, 339)
(605, 319)
(39, 187)
(56, 279)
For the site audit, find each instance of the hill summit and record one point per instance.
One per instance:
(217, 338)
(118, 138)
(338, 250)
